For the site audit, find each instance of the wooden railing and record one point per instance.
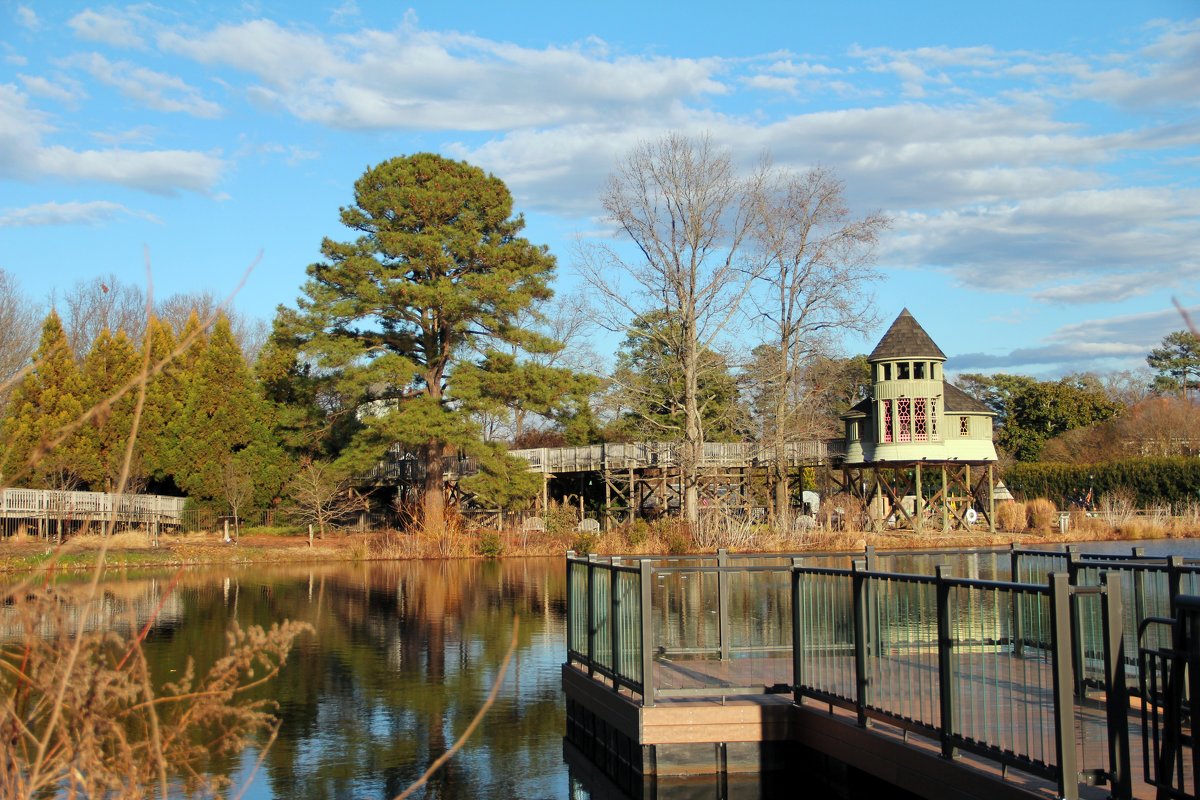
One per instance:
(52, 504)
(639, 455)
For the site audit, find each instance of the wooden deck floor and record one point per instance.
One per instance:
(1004, 701)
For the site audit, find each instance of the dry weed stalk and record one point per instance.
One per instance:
(107, 732)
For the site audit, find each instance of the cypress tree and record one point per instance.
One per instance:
(108, 366)
(49, 398)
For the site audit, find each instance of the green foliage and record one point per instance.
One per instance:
(108, 367)
(503, 482)
(223, 429)
(438, 272)
(48, 398)
(651, 385)
(637, 532)
(491, 545)
(1177, 363)
(1153, 480)
(1031, 412)
(585, 542)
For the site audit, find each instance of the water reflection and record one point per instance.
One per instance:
(403, 657)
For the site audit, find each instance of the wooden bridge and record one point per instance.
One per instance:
(619, 481)
(1046, 674)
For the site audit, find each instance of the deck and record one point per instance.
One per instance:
(944, 686)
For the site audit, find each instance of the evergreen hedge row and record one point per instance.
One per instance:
(1154, 481)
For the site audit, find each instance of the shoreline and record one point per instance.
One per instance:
(125, 551)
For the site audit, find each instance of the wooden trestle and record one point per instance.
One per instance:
(943, 494)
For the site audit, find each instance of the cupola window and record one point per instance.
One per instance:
(919, 370)
(902, 371)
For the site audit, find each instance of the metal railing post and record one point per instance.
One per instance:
(1174, 579)
(591, 614)
(859, 596)
(1116, 692)
(614, 606)
(723, 602)
(1077, 647)
(1018, 620)
(797, 635)
(1064, 700)
(570, 603)
(947, 689)
(646, 579)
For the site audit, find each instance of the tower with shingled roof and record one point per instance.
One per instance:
(919, 450)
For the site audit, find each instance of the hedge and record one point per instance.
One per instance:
(1154, 481)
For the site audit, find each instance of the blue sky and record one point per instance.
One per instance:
(1040, 161)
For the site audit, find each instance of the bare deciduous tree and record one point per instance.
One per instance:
(103, 303)
(689, 216)
(20, 322)
(249, 332)
(818, 262)
(321, 496)
(237, 484)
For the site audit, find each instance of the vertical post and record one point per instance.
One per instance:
(1174, 581)
(918, 504)
(945, 500)
(1064, 701)
(570, 603)
(723, 602)
(1077, 646)
(614, 635)
(947, 688)
(991, 498)
(646, 579)
(1116, 692)
(591, 613)
(797, 634)
(1018, 618)
(862, 695)
(1188, 623)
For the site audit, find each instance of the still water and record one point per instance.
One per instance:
(403, 656)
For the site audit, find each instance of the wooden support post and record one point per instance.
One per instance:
(991, 475)
(918, 504)
(945, 500)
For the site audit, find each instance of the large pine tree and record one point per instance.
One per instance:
(48, 399)
(438, 271)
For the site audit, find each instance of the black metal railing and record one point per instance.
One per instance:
(1169, 681)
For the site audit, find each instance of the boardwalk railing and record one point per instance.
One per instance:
(638, 455)
(982, 666)
(43, 504)
(1169, 678)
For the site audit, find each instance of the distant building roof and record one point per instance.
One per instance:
(958, 401)
(906, 339)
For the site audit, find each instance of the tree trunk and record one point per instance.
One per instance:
(434, 497)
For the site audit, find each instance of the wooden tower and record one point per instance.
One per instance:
(919, 451)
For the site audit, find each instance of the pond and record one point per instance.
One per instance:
(403, 656)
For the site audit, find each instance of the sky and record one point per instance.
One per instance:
(1040, 162)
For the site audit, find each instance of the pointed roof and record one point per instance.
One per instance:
(906, 339)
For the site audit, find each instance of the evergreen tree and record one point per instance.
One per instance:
(49, 398)
(650, 386)
(165, 396)
(1177, 363)
(109, 365)
(438, 270)
(223, 427)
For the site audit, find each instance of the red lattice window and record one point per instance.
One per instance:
(964, 426)
(920, 420)
(904, 419)
(887, 420)
(933, 432)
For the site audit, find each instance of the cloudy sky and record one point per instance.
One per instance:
(1040, 161)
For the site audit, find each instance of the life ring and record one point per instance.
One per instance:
(971, 516)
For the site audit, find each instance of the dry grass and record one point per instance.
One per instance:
(1012, 516)
(1042, 515)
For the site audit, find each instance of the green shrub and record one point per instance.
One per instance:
(1153, 481)
(490, 544)
(637, 532)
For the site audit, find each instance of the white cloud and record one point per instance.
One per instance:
(418, 80)
(155, 90)
(28, 18)
(773, 83)
(1165, 72)
(64, 90)
(95, 212)
(1104, 343)
(112, 28)
(25, 156)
